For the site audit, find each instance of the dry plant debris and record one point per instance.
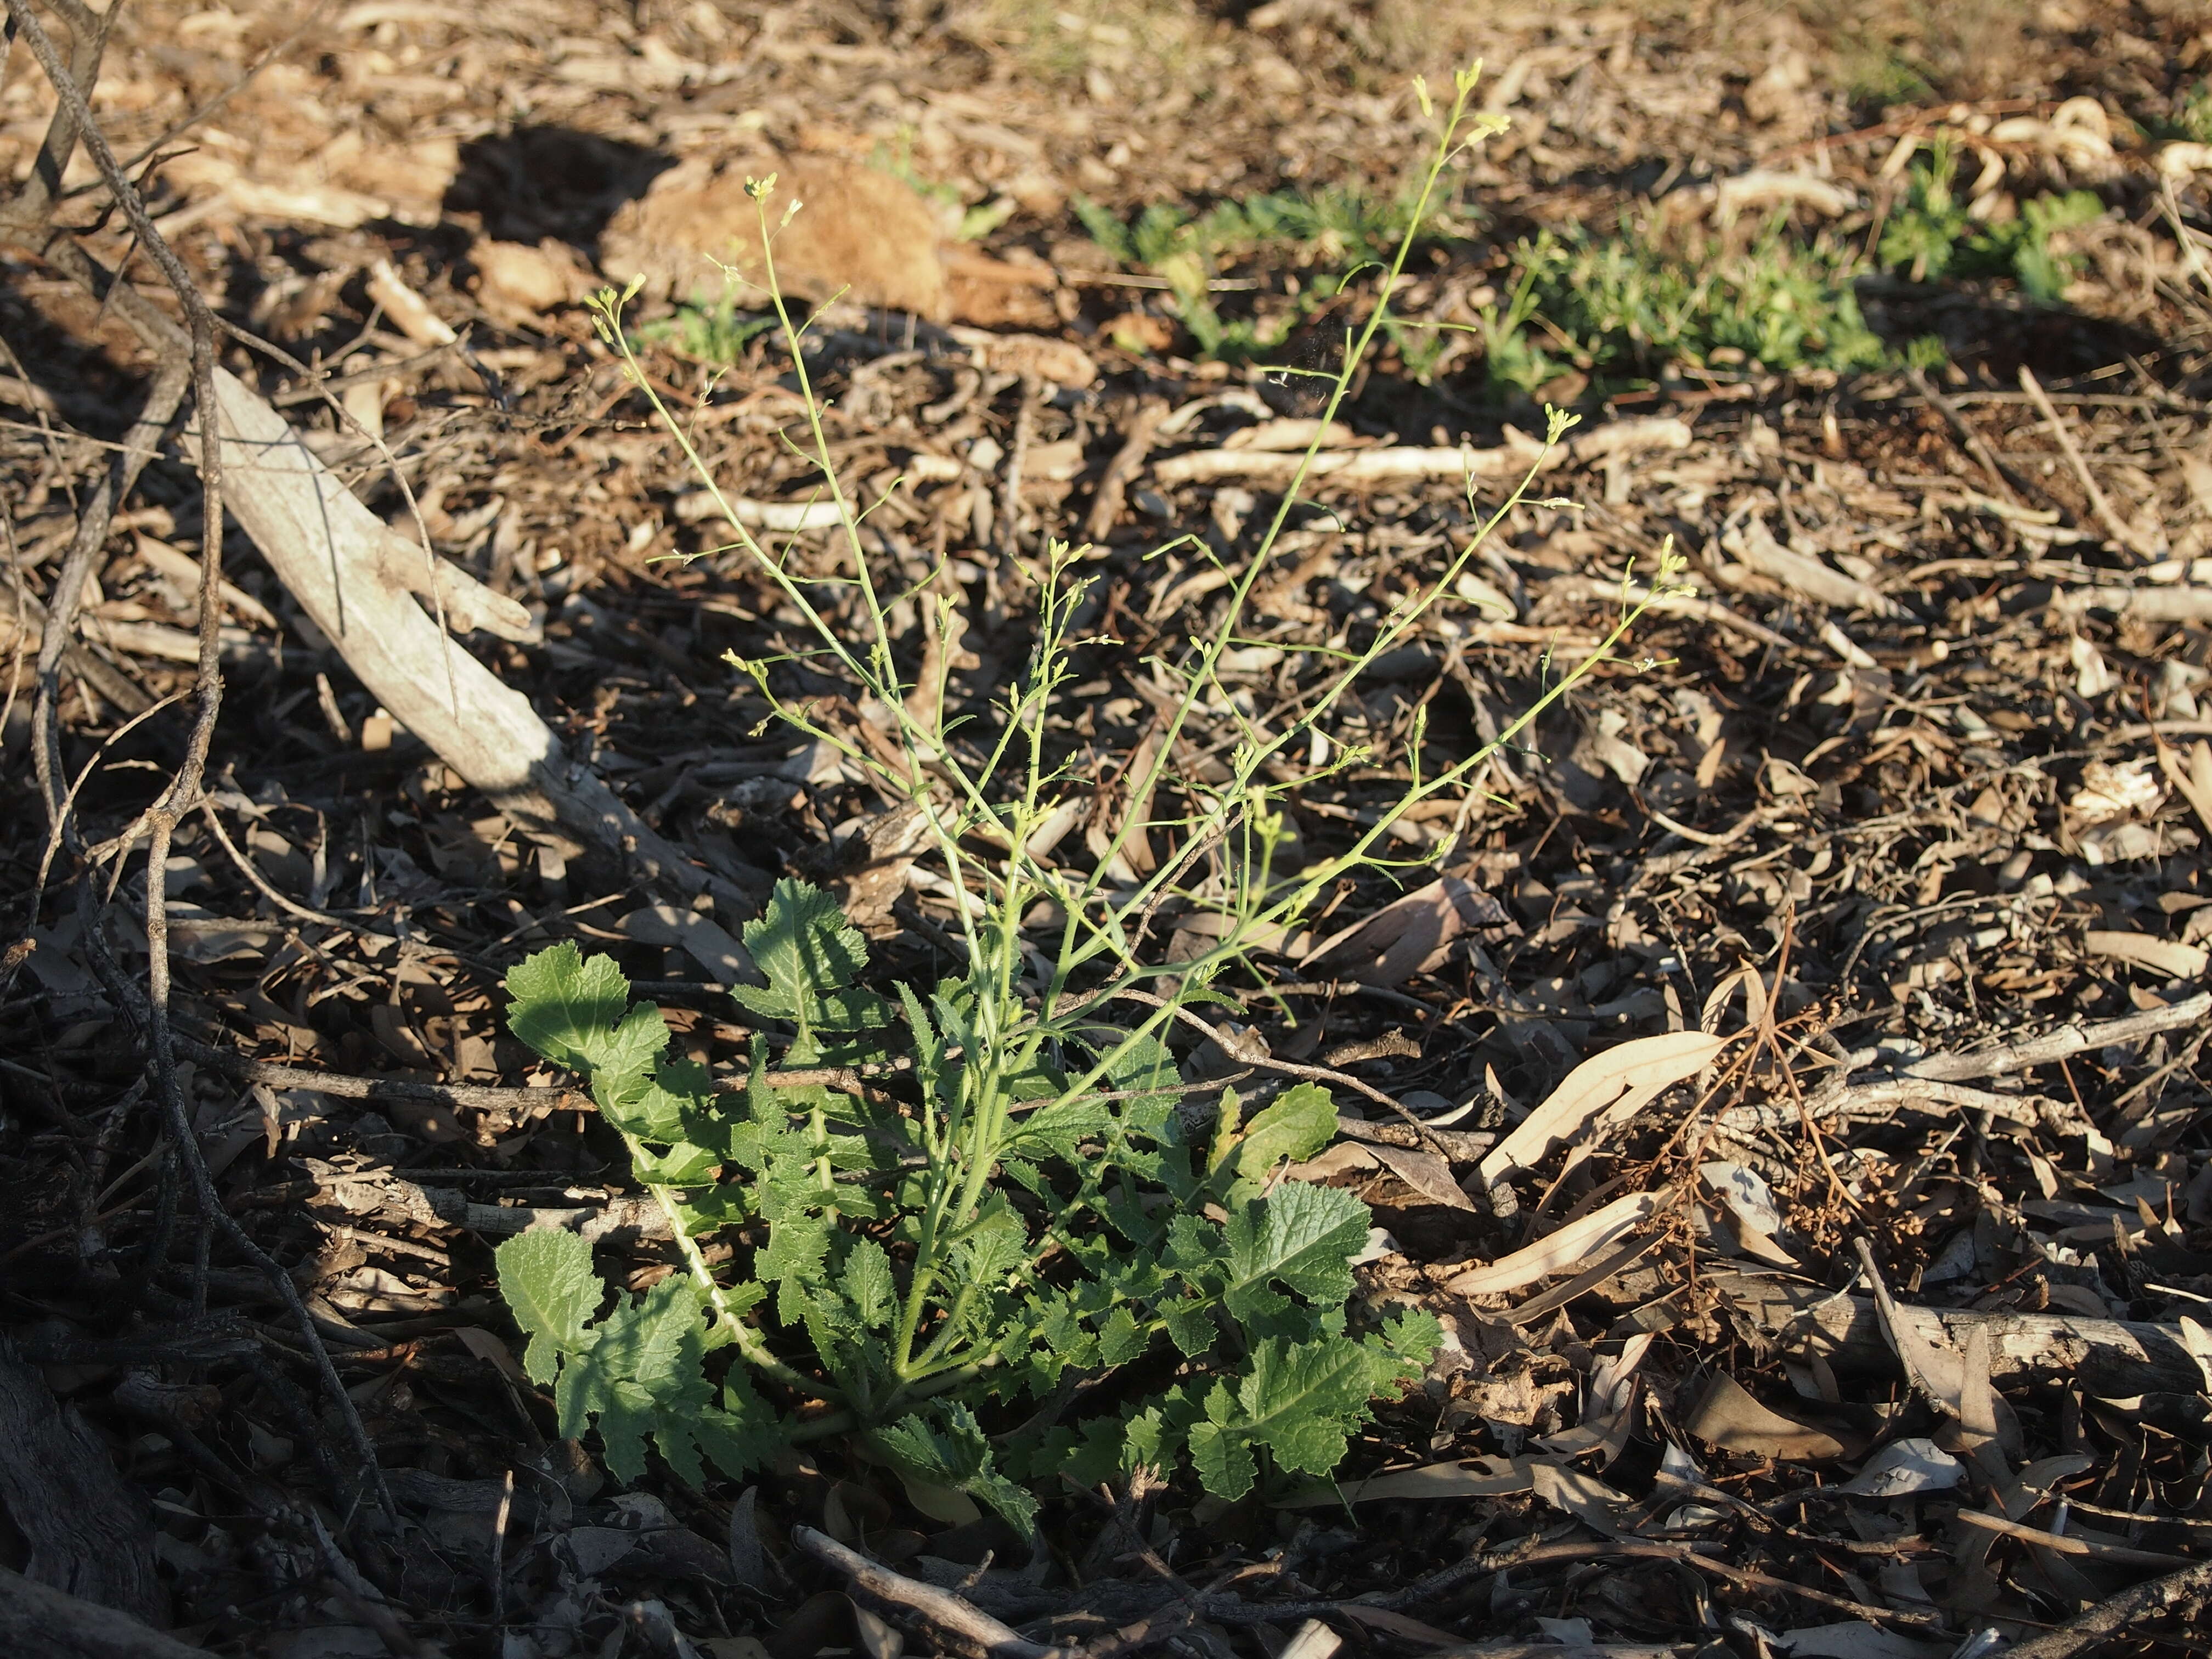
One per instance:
(1808, 1160)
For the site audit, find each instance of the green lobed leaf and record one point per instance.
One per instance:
(742, 1434)
(944, 1444)
(563, 1005)
(637, 1377)
(1302, 1401)
(867, 1284)
(1221, 1455)
(546, 1276)
(576, 1012)
(1137, 1064)
(1120, 1340)
(811, 955)
(796, 1248)
(1295, 1126)
(1299, 1236)
(1190, 1326)
(680, 1165)
(672, 1101)
(1061, 1127)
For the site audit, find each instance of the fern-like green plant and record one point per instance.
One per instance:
(951, 1210)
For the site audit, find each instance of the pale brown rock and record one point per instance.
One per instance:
(858, 231)
(521, 278)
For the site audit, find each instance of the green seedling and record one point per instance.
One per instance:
(1930, 234)
(1626, 308)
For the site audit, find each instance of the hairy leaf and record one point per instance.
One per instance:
(947, 1446)
(1060, 1127)
(1299, 1236)
(545, 1275)
(811, 955)
(636, 1373)
(577, 1014)
(665, 1105)
(564, 1006)
(1296, 1125)
(1301, 1400)
(867, 1284)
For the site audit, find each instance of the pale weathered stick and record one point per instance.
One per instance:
(2068, 1040)
(944, 1610)
(1401, 463)
(340, 561)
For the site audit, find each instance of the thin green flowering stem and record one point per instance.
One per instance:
(1450, 141)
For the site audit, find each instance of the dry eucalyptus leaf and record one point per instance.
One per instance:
(1477, 1477)
(1904, 1466)
(1409, 936)
(1727, 1417)
(1621, 1081)
(1584, 1236)
(1426, 1173)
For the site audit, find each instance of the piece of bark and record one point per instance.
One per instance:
(37, 1618)
(2109, 1357)
(89, 1535)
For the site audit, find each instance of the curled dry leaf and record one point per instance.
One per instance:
(1409, 936)
(2168, 956)
(1904, 1466)
(1619, 1083)
(1585, 1496)
(1474, 1477)
(1582, 1236)
(1427, 1174)
(1727, 1416)
(1750, 1210)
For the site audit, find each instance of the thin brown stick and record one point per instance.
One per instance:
(472, 1097)
(2089, 1548)
(940, 1608)
(262, 885)
(162, 401)
(1268, 1063)
(2009, 485)
(1121, 471)
(33, 203)
(2122, 536)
